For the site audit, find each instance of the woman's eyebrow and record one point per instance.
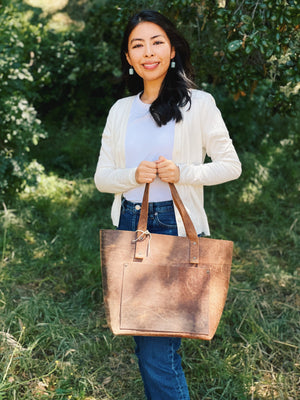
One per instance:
(137, 39)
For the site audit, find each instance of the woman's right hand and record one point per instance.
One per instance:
(146, 172)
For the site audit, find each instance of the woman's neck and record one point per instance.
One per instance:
(150, 93)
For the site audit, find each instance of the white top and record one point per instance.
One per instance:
(147, 141)
(201, 132)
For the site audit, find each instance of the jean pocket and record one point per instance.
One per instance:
(166, 220)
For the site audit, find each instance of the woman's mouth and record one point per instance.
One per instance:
(150, 66)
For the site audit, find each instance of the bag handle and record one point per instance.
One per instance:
(143, 236)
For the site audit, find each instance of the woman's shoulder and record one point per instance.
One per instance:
(122, 103)
(201, 96)
(202, 103)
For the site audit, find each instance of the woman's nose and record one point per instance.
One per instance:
(148, 50)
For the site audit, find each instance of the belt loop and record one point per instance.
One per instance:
(122, 205)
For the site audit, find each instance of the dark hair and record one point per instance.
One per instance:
(174, 92)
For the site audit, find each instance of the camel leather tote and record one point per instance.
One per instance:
(161, 285)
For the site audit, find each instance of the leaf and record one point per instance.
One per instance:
(234, 45)
(248, 49)
(246, 19)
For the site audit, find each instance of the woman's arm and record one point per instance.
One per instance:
(225, 164)
(109, 177)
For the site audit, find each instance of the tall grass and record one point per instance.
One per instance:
(54, 341)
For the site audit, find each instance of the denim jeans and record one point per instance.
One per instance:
(159, 362)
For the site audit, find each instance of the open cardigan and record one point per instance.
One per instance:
(201, 132)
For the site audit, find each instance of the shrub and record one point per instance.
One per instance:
(20, 127)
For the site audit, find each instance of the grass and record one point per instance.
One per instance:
(54, 341)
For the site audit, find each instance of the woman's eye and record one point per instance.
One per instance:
(136, 46)
(158, 42)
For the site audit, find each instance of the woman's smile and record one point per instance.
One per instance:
(150, 66)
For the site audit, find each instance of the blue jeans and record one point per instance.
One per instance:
(159, 362)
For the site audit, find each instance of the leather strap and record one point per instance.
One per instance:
(143, 242)
(142, 225)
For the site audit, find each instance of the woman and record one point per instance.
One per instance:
(161, 134)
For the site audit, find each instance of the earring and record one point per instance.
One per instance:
(131, 71)
(173, 64)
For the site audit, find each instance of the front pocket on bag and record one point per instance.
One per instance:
(165, 298)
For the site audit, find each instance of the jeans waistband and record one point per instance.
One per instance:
(160, 206)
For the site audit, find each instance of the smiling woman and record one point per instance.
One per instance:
(161, 135)
(150, 53)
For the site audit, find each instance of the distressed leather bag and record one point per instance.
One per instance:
(160, 285)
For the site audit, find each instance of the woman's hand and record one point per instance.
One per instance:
(167, 170)
(146, 172)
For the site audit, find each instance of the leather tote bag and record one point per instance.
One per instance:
(161, 285)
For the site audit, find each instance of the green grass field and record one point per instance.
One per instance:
(54, 341)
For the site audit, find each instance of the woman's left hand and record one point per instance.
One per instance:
(167, 170)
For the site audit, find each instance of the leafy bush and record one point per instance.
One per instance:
(20, 127)
(76, 71)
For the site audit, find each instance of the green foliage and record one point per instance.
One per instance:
(79, 66)
(259, 41)
(19, 126)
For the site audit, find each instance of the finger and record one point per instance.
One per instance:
(144, 177)
(169, 175)
(160, 160)
(148, 164)
(165, 170)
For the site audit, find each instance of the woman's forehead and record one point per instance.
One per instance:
(146, 30)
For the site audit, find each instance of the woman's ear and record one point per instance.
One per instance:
(173, 52)
(128, 58)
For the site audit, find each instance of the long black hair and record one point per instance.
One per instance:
(174, 92)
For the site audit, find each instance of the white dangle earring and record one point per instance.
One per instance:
(131, 71)
(173, 64)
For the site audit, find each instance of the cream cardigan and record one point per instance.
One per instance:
(202, 131)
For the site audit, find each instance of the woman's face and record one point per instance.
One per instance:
(150, 52)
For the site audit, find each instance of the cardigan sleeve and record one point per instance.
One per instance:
(216, 143)
(110, 177)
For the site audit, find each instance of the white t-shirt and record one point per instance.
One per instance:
(147, 141)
